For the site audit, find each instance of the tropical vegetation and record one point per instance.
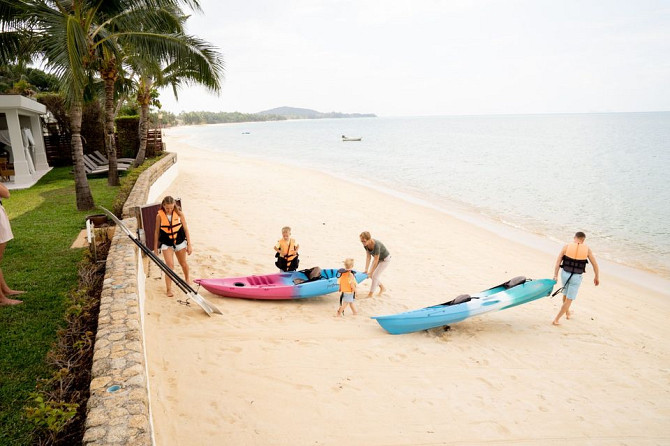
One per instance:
(40, 261)
(125, 44)
(205, 117)
(111, 51)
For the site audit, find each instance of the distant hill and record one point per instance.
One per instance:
(306, 113)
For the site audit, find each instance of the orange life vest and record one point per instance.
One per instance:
(287, 249)
(172, 233)
(345, 282)
(575, 258)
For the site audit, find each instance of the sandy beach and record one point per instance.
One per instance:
(290, 373)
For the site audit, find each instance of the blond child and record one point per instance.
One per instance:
(347, 282)
(286, 251)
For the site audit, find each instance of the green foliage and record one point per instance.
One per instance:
(23, 88)
(39, 260)
(18, 79)
(129, 109)
(52, 416)
(164, 118)
(205, 117)
(127, 128)
(43, 82)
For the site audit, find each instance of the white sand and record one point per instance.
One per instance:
(289, 373)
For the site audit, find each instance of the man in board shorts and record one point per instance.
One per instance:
(572, 260)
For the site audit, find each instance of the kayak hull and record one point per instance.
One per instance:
(493, 299)
(279, 286)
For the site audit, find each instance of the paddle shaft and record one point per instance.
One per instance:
(181, 283)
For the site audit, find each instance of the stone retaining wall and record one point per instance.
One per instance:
(118, 410)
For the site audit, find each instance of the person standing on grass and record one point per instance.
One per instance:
(5, 236)
(376, 252)
(174, 238)
(572, 260)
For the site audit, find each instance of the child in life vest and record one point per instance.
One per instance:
(286, 251)
(172, 238)
(347, 282)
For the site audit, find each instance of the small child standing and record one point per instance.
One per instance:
(347, 282)
(287, 251)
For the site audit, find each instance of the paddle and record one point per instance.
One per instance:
(181, 283)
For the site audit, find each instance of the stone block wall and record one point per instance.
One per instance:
(118, 411)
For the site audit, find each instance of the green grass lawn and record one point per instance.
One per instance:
(45, 222)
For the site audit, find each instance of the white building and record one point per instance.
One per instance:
(21, 141)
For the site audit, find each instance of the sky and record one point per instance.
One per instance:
(432, 57)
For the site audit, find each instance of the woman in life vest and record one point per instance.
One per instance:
(347, 282)
(286, 251)
(572, 260)
(172, 238)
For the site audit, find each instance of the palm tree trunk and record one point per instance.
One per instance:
(110, 145)
(142, 152)
(143, 98)
(81, 187)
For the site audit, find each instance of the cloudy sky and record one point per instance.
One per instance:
(436, 57)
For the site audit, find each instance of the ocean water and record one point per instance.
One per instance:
(550, 175)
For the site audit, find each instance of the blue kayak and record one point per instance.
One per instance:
(509, 294)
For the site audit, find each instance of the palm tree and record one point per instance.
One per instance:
(193, 61)
(73, 38)
(159, 40)
(152, 35)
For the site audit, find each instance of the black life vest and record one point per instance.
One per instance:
(575, 258)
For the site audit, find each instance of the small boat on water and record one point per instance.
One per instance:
(344, 138)
(290, 285)
(516, 291)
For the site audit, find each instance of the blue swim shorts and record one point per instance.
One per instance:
(348, 297)
(572, 287)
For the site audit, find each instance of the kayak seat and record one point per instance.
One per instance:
(518, 280)
(459, 300)
(259, 280)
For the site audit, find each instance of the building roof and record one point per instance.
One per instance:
(23, 104)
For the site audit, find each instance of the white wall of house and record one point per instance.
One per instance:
(21, 113)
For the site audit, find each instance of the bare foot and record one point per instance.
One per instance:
(568, 315)
(355, 313)
(381, 289)
(14, 293)
(8, 302)
(169, 293)
(555, 323)
(369, 295)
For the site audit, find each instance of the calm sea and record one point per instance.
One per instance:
(550, 175)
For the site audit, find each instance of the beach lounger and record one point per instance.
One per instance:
(93, 169)
(104, 160)
(95, 160)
